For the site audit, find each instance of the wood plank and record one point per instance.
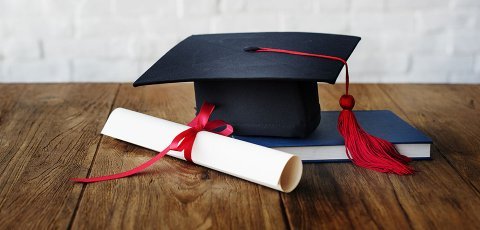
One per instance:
(450, 114)
(437, 189)
(172, 193)
(48, 133)
(340, 195)
(450, 199)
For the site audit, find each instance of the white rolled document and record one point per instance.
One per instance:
(258, 164)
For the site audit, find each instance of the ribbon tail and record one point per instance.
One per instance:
(126, 173)
(174, 145)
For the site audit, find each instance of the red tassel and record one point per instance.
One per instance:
(365, 150)
(362, 148)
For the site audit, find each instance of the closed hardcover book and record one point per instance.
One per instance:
(326, 144)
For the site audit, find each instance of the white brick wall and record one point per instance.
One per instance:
(403, 41)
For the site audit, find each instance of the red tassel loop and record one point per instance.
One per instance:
(362, 149)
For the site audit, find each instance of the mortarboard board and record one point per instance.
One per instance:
(259, 94)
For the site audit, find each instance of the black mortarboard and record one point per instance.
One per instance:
(259, 94)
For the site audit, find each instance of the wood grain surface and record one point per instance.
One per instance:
(50, 133)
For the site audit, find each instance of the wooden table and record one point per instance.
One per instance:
(50, 133)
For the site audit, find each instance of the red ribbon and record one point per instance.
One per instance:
(182, 142)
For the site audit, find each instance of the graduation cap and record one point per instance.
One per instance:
(265, 84)
(259, 94)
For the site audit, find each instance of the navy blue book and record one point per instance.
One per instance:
(326, 144)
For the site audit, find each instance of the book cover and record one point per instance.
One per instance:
(326, 144)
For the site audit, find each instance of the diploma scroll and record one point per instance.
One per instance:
(258, 164)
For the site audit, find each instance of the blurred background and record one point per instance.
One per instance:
(403, 41)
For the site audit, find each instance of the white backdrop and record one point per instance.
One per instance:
(116, 40)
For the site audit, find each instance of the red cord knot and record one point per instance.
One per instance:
(347, 102)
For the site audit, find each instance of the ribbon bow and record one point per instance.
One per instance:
(182, 142)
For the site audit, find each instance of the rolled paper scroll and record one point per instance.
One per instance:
(258, 164)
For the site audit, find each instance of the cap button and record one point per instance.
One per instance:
(347, 102)
(251, 49)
